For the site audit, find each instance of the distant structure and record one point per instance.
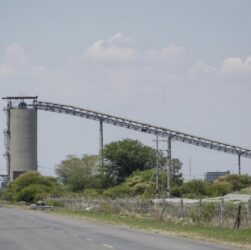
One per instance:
(4, 179)
(212, 176)
(20, 135)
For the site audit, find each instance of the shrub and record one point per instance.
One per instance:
(32, 193)
(203, 213)
(207, 212)
(91, 192)
(142, 183)
(220, 188)
(31, 186)
(194, 189)
(106, 208)
(119, 191)
(237, 181)
(140, 188)
(176, 191)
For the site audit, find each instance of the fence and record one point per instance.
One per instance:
(218, 212)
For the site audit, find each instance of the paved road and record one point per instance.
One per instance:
(33, 230)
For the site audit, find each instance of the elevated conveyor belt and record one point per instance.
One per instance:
(143, 127)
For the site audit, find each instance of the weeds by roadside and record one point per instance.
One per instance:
(216, 234)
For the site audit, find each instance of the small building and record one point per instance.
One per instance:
(212, 176)
(4, 179)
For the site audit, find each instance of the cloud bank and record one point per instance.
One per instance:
(115, 68)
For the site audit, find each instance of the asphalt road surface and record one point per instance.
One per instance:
(35, 230)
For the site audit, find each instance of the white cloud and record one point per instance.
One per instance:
(169, 54)
(15, 61)
(6, 70)
(15, 56)
(236, 65)
(116, 49)
(119, 39)
(200, 69)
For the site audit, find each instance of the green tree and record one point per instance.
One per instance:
(126, 156)
(176, 177)
(79, 173)
(175, 173)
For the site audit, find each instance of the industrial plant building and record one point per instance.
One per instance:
(20, 135)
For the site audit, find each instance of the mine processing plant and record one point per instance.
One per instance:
(21, 132)
(20, 136)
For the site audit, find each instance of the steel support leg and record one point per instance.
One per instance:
(239, 164)
(169, 160)
(101, 144)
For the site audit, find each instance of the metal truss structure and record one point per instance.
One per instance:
(144, 127)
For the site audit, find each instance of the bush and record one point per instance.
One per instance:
(106, 208)
(142, 183)
(31, 186)
(237, 181)
(194, 189)
(119, 191)
(91, 192)
(176, 191)
(31, 193)
(140, 188)
(204, 213)
(220, 188)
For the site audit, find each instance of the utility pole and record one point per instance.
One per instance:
(168, 163)
(157, 166)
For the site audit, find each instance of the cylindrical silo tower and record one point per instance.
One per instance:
(22, 137)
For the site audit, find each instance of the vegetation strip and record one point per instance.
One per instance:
(240, 238)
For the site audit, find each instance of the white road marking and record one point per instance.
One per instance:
(90, 239)
(61, 231)
(108, 246)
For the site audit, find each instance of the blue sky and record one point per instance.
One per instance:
(185, 65)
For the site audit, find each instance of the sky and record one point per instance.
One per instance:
(183, 65)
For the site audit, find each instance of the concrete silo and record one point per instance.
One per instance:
(21, 146)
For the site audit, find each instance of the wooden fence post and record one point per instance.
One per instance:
(221, 211)
(182, 207)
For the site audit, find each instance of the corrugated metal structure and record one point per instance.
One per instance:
(212, 176)
(21, 134)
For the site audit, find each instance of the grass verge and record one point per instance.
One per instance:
(240, 238)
